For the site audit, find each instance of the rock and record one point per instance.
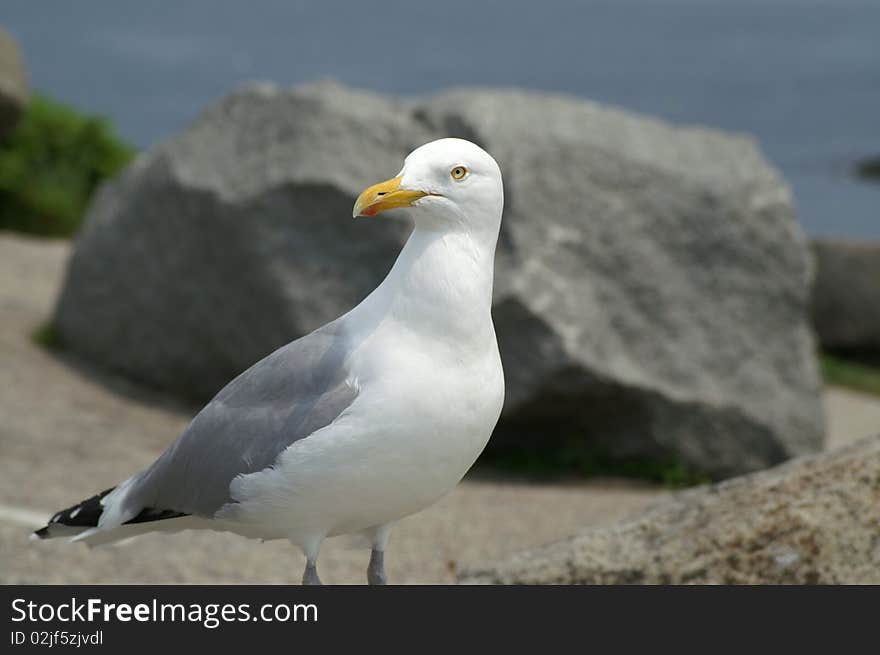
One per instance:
(815, 520)
(235, 237)
(652, 282)
(846, 296)
(653, 285)
(13, 84)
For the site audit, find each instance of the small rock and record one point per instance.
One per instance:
(846, 296)
(869, 169)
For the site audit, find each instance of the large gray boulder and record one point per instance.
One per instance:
(235, 237)
(846, 296)
(652, 282)
(14, 92)
(815, 520)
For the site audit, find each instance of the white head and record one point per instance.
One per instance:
(449, 184)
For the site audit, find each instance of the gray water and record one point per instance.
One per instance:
(801, 75)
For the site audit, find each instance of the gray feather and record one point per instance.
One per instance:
(285, 397)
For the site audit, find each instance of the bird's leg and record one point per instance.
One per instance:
(376, 569)
(311, 547)
(310, 575)
(379, 538)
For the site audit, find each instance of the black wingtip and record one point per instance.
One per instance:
(87, 514)
(42, 533)
(83, 515)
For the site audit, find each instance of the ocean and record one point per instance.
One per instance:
(803, 76)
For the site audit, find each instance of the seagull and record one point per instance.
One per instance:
(368, 419)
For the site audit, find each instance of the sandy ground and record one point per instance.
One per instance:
(68, 431)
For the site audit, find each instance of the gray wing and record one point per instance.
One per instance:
(285, 397)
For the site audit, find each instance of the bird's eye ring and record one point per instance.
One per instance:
(458, 173)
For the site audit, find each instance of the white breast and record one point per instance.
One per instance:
(430, 388)
(406, 441)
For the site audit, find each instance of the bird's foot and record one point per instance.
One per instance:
(376, 569)
(310, 575)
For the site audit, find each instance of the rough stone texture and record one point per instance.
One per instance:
(652, 282)
(13, 84)
(846, 295)
(815, 520)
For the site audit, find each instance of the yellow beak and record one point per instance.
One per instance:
(385, 195)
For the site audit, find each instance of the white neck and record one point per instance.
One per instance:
(440, 286)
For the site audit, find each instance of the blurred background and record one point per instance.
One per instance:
(719, 326)
(801, 75)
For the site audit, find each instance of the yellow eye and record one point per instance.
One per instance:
(458, 173)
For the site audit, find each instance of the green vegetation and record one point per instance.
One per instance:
(848, 373)
(51, 164)
(48, 336)
(591, 462)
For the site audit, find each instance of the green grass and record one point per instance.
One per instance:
(51, 164)
(48, 336)
(592, 462)
(851, 374)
